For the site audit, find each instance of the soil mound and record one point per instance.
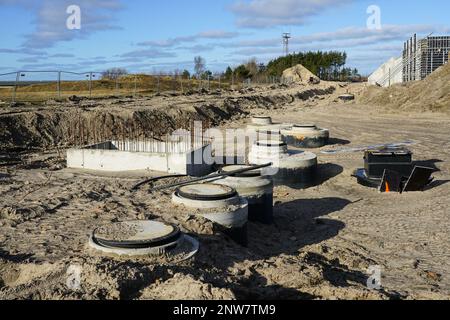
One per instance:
(299, 74)
(431, 94)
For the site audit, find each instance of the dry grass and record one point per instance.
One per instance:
(126, 85)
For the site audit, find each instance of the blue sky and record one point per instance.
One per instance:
(153, 36)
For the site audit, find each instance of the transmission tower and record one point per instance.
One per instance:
(286, 37)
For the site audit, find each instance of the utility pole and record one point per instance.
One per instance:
(286, 37)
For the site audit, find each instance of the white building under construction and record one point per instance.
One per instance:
(424, 56)
(420, 58)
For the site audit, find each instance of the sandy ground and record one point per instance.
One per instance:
(322, 243)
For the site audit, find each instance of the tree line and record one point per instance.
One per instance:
(327, 65)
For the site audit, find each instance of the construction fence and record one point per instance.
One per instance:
(38, 86)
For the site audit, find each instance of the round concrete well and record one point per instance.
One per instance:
(289, 167)
(306, 136)
(218, 203)
(141, 238)
(256, 188)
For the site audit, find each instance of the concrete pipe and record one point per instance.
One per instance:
(269, 134)
(256, 188)
(289, 167)
(218, 203)
(265, 123)
(262, 121)
(306, 136)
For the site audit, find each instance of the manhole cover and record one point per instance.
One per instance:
(136, 234)
(206, 192)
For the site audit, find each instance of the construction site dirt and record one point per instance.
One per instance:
(324, 240)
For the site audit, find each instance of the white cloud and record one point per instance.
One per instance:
(269, 13)
(24, 51)
(363, 35)
(50, 19)
(389, 37)
(62, 55)
(211, 34)
(148, 53)
(217, 34)
(198, 48)
(366, 48)
(29, 60)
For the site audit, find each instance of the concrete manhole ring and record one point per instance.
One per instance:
(206, 192)
(136, 234)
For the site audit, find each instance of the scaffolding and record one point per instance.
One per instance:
(422, 57)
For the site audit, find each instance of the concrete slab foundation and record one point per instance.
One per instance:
(170, 157)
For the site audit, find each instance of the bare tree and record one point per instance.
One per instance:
(177, 72)
(199, 66)
(252, 67)
(114, 73)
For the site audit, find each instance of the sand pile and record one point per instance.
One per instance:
(431, 94)
(299, 74)
(185, 287)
